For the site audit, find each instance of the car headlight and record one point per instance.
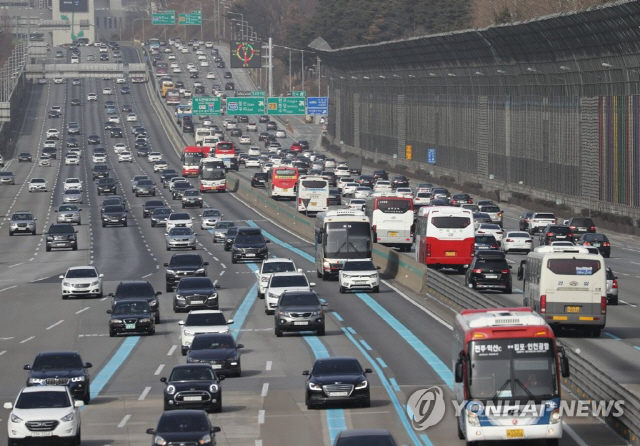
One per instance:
(36, 381)
(362, 385)
(283, 313)
(49, 237)
(179, 297)
(169, 271)
(373, 276)
(205, 440)
(16, 419)
(77, 379)
(96, 283)
(153, 303)
(213, 296)
(472, 418)
(189, 333)
(68, 417)
(159, 441)
(145, 320)
(273, 295)
(213, 388)
(200, 271)
(314, 386)
(66, 284)
(115, 321)
(326, 264)
(171, 389)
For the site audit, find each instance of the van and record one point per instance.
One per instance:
(567, 287)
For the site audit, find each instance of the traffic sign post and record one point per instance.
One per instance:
(431, 156)
(164, 18)
(286, 106)
(245, 106)
(318, 106)
(190, 19)
(205, 106)
(408, 152)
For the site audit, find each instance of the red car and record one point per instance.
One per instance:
(296, 147)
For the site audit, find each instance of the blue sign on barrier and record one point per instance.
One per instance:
(431, 156)
(318, 106)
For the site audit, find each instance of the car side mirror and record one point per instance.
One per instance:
(215, 429)
(27, 367)
(305, 373)
(510, 267)
(75, 232)
(324, 304)
(206, 263)
(166, 264)
(267, 241)
(158, 293)
(230, 321)
(108, 311)
(88, 365)
(8, 405)
(312, 284)
(458, 371)
(60, 276)
(111, 295)
(377, 267)
(180, 322)
(240, 346)
(78, 403)
(221, 377)
(615, 277)
(368, 371)
(151, 431)
(217, 286)
(163, 380)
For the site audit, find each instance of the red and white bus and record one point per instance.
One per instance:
(172, 97)
(507, 369)
(282, 182)
(213, 177)
(162, 68)
(445, 237)
(190, 158)
(392, 221)
(224, 149)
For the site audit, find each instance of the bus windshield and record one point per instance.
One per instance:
(394, 206)
(192, 159)
(512, 369)
(348, 240)
(285, 173)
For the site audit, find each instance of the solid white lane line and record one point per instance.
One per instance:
(8, 288)
(269, 364)
(144, 393)
(146, 275)
(159, 369)
(172, 349)
(3, 352)
(265, 390)
(27, 340)
(261, 416)
(57, 323)
(123, 423)
(83, 310)
(17, 264)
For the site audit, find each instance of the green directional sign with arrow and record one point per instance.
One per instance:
(245, 106)
(286, 106)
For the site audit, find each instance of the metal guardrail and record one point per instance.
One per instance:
(453, 294)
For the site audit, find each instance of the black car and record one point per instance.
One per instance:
(104, 57)
(187, 427)
(194, 75)
(299, 311)
(218, 349)
(229, 237)
(236, 131)
(221, 64)
(264, 119)
(100, 171)
(380, 175)
(145, 187)
(184, 265)
(61, 235)
(195, 293)
(304, 144)
(126, 108)
(489, 270)
(61, 368)
(272, 125)
(135, 290)
(73, 128)
(179, 189)
(596, 240)
(193, 386)
(334, 196)
(227, 75)
(399, 181)
(262, 136)
(53, 113)
(131, 316)
(93, 139)
(73, 142)
(366, 180)
(249, 244)
(75, 102)
(485, 242)
(24, 156)
(581, 225)
(192, 198)
(335, 381)
(159, 216)
(229, 86)
(51, 151)
(149, 206)
(109, 125)
(187, 127)
(460, 199)
(554, 233)
(116, 132)
(113, 215)
(107, 186)
(365, 437)
(525, 218)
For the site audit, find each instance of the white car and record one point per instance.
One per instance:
(49, 143)
(99, 157)
(71, 159)
(81, 281)
(281, 134)
(75, 151)
(356, 203)
(359, 275)
(266, 167)
(44, 160)
(125, 156)
(37, 185)
(208, 45)
(119, 147)
(244, 139)
(187, 94)
(281, 282)
(72, 196)
(517, 241)
(92, 97)
(58, 80)
(404, 192)
(53, 134)
(202, 321)
(154, 156)
(160, 166)
(184, 50)
(201, 55)
(121, 80)
(252, 161)
(190, 65)
(107, 91)
(209, 218)
(362, 192)
(132, 117)
(421, 198)
(342, 181)
(179, 219)
(342, 171)
(72, 184)
(55, 404)
(383, 186)
(211, 75)
(171, 57)
(177, 70)
(177, 65)
(204, 63)
(268, 268)
(491, 228)
(114, 119)
(349, 188)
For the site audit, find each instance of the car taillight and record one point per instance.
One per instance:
(606, 244)
(587, 243)
(509, 240)
(550, 234)
(615, 284)
(494, 246)
(476, 271)
(505, 271)
(543, 303)
(572, 228)
(593, 228)
(470, 201)
(528, 241)
(500, 214)
(327, 202)
(603, 304)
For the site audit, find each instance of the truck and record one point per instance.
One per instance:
(355, 165)
(182, 111)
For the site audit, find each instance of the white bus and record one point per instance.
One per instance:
(212, 175)
(340, 235)
(567, 287)
(312, 194)
(392, 221)
(201, 134)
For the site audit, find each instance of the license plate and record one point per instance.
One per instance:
(561, 236)
(216, 366)
(491, 276)
(251, 255)
(41, 434)
(196, 302)
(193, 398)
(338, 393)
(450, 254)
(393, 234)
(515, 433)
(130, 326)
(314, 203)
(596, 245)
(572, 309)
(285, 190)
(301, 323)
(582, 229)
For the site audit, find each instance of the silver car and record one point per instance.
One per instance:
(22, 221)
(68, 213)
(220, 231)
(209, 218)
(612, 287)
(72, 196)
(7, 178)
(180, 238)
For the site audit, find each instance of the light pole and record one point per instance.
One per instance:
(200, 3)
(241, 17)
(132, 27)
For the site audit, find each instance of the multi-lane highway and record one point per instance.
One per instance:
(408, 347)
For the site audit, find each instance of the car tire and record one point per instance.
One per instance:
(126, 224)
(320, 332)
(151, 331)
(153, 224)
(157, 319)
(342, 289)
(233, 260)
(183, 206)
(595, 332)
(87, 396)
(169, 288)
(77, 440)
(11, 233)
(98, 191)
(183, 351)
(310, 406)
(508, 290)
(193, 248)
(112, 333)
(168, 249)
(278, 332)
(47, 248)
(217, 407)
(367, 402)
(104, 225)
(376, 289)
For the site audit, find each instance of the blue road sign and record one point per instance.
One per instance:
(431, 156)
(318, 106)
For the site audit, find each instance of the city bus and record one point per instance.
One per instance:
(507, 369)
(201, 133)
(392, 221)
(282, 182)
(172, 96)
(162, 68)
(166, 85)
(312, 194)
(566, 286)
(224, 149)
(190, 158)
(212, 176)
(154, 43)
(340, 235)
(445, 237)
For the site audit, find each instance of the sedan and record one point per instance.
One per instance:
(210, 218)
(107, 186)
(383, 186)
(81, 281)
(184, 426)
(160, 166)
(73, 142)
(245, 140)
(99, 157)
(517, 241)
(211, 75)
(93, 139)
(362, 192)
(180, 238)
(596, 240)
(68, 213)
(193, 386)
(76, 102)
(281, 134)
(195, 293)
(357, 204)
(37, 185)
(24, 156)
(125, 90)
(131, 316)
(218, 349)
(92, 97)
(337, 380)
(107, 91)
(349, 188)
(72, 196)
(132, 117)
(125, 156)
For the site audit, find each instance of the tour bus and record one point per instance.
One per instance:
(392, 221)
(340, 235)
(201, 133)
(162, 68)
(445, 237)
(507, 369)
(213, 177)
(282, 182)
(312, 194)
(224, 149)
(190, 157)
(172, 97)
(567, 287)
(166, 85)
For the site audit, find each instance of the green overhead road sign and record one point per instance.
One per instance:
(205, 106)
(286, 106)
(245, 106)
(247, 93)
(297, 93)
(190, 19)
(164, 18)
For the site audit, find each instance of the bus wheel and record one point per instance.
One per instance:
(595, 332)
(319, 274)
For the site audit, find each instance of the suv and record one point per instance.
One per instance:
(494, 212)
(540, 220)
(281, 282)
(489, 271)
(61, 368)
(100, 171)
(580, 225)
(299, 311)
(61, 235)
(270, 266)
(107, 185)
(554, 233)
(114, 214)
(138, 289)
(183, 265)
(202, 321)
(22, 221)
(359, 274)
(249, 244)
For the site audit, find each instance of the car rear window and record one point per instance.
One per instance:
(492, 263)
(134, 290)
(573, 267)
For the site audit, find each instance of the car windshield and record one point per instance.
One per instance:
(172, 422)
(192, 374)
(288, 281)
(253, 239)
(22, 216)
(337, 367)
(191, 193)
(211, 213)
(72, 192)
(6, 174)
(224, 225)
(114, 208)
(358, 265)
(81, 273)
(131, 308)
(57, 361)
(61, 229)
(68, 208)
(192, 283)
(43, 400)
(145, 183)
(485, 239)
(199, 319)
(180, 231)
(161, 211)
(518, 235)
(185, 260)
(152, 203)
(278, 267)
(110, 201)
(292, 299)
(490, 227)
(212, 342)
(179, 216)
